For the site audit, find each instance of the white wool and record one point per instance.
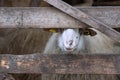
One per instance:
(57, 42)
(99, 43)
(71, 34)
(51, 46)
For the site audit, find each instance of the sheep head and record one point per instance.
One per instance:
(69, 39)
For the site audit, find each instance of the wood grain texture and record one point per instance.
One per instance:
(35, 17)
(81, 16)
(61, 63)
(4, 76)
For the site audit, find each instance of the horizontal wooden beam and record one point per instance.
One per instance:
(46, 17)
(4, 76)
(61, 63)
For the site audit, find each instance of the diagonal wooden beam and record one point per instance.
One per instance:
(81, 16)
(61, 63)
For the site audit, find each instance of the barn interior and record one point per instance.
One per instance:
(20, 41)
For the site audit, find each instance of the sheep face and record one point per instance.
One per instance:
(69, 40)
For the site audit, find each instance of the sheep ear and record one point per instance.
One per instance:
(53, 30)
(89, 32)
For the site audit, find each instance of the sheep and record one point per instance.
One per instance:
(77, 41)
(101, 44)
(96, 43)
(70, 40)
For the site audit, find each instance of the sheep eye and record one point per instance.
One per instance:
(77, 37)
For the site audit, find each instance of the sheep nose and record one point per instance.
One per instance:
(70, 42)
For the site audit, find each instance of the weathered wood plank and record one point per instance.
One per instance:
(4, 76)
(109, 15)
(81, 16)
(35, 17)
(61, 63)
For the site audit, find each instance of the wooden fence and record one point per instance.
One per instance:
(101, 18)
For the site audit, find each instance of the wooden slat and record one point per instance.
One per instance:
(4, 76)
(35, 17)
(81, 16)
(108, 14)
(61, 63)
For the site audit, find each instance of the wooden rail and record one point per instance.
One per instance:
(46, 17)
(61, 63)
(4, 76)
